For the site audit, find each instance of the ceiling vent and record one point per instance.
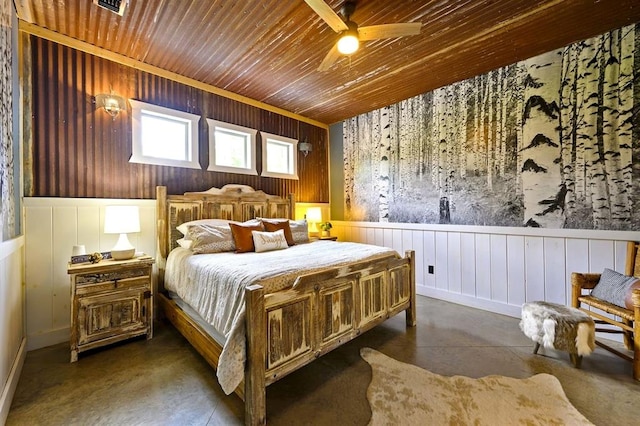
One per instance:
(116, 6)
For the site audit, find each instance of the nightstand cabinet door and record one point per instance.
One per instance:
(112, 314)
(110, 301)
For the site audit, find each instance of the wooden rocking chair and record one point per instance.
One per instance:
(628, 320)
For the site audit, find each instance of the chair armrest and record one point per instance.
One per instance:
(584, 281)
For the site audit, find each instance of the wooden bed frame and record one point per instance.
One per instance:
(322, 310)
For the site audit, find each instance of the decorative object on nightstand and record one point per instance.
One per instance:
(111, 300)
(122, 220)
(314, 216)
(326, 229)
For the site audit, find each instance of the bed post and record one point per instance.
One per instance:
(161, 229)
(411, 310)
(255, 393)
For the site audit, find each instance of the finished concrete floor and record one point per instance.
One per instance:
(164, 381)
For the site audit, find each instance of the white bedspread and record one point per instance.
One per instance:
(214, 285)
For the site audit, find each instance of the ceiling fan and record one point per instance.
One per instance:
(350, 34)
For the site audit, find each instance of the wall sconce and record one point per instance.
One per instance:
(305, 147)
(314, 216)
(111, 103)
(122, 220)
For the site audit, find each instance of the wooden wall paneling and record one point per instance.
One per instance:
(516, 269)
(417, 242)
(388, 237)
(441, 266)
(397, 240)
(576, 260)
(534, 268)
(88, 229)
(407, 240)
(499, 278)
(554, 271)
(370, 237)
(38, 269)
(468, 264)
(601, 255)
(454, 262)
(620, 256)
(429, 240)
(64, 228)
(379, 239)
(483, 266)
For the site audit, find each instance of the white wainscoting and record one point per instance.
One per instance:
(495, 268)
(12, 336)
(52, 227)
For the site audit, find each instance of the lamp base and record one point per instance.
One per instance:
(123, 249)
(123, 254)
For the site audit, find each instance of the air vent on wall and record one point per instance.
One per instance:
(116, 6)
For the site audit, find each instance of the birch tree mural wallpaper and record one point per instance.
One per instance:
(7, 196)
(553, 142)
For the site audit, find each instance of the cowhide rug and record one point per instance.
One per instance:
(403, 394)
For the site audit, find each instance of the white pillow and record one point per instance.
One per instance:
(267, 241)
(207, 238)
(184, 227)
(184, 243)
(299, 231)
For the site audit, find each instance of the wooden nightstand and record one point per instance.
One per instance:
(329, 238)
(110, 301)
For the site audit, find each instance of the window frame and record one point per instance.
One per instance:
(136, 136)
(213, 167)
(265, 137)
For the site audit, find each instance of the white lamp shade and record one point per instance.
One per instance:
(121, 219)
(314, 214)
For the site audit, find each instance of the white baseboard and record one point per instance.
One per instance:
(49, 338)
(12, 382)
(463, 299)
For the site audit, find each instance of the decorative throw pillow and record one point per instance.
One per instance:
(299, 231)
(267, 241)
(184, 227)
(616, 288)
(272, 225)
(210, 238)
(242, 236)
(184, 243)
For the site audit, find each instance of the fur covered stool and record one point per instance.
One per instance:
(559, 327)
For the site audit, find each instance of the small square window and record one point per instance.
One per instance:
(279, 157)
(232, 148)
(163, 136)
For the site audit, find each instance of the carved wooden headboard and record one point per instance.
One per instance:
(231, 202)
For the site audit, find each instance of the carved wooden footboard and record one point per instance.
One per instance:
(290, 328)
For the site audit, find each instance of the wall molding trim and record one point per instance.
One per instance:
(12, 382)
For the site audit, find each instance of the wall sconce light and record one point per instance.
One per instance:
(314, 216)
(305, 147)
(122, 220)
(111, 103)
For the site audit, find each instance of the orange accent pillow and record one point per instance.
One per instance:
(242, 236)
(272, 225)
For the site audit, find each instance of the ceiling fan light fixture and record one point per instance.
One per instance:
(348, 42)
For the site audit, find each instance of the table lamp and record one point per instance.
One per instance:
(122, 220)
(314, 216)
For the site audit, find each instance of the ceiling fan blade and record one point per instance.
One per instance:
(328, 15)
(375, 32)
(331, 57)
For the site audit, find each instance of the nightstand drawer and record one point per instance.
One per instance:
(97, 287)
(87, 279)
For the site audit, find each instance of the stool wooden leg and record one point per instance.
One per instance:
(576, 360)
(535, 349)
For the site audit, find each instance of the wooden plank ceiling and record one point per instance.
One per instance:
(269, 50)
